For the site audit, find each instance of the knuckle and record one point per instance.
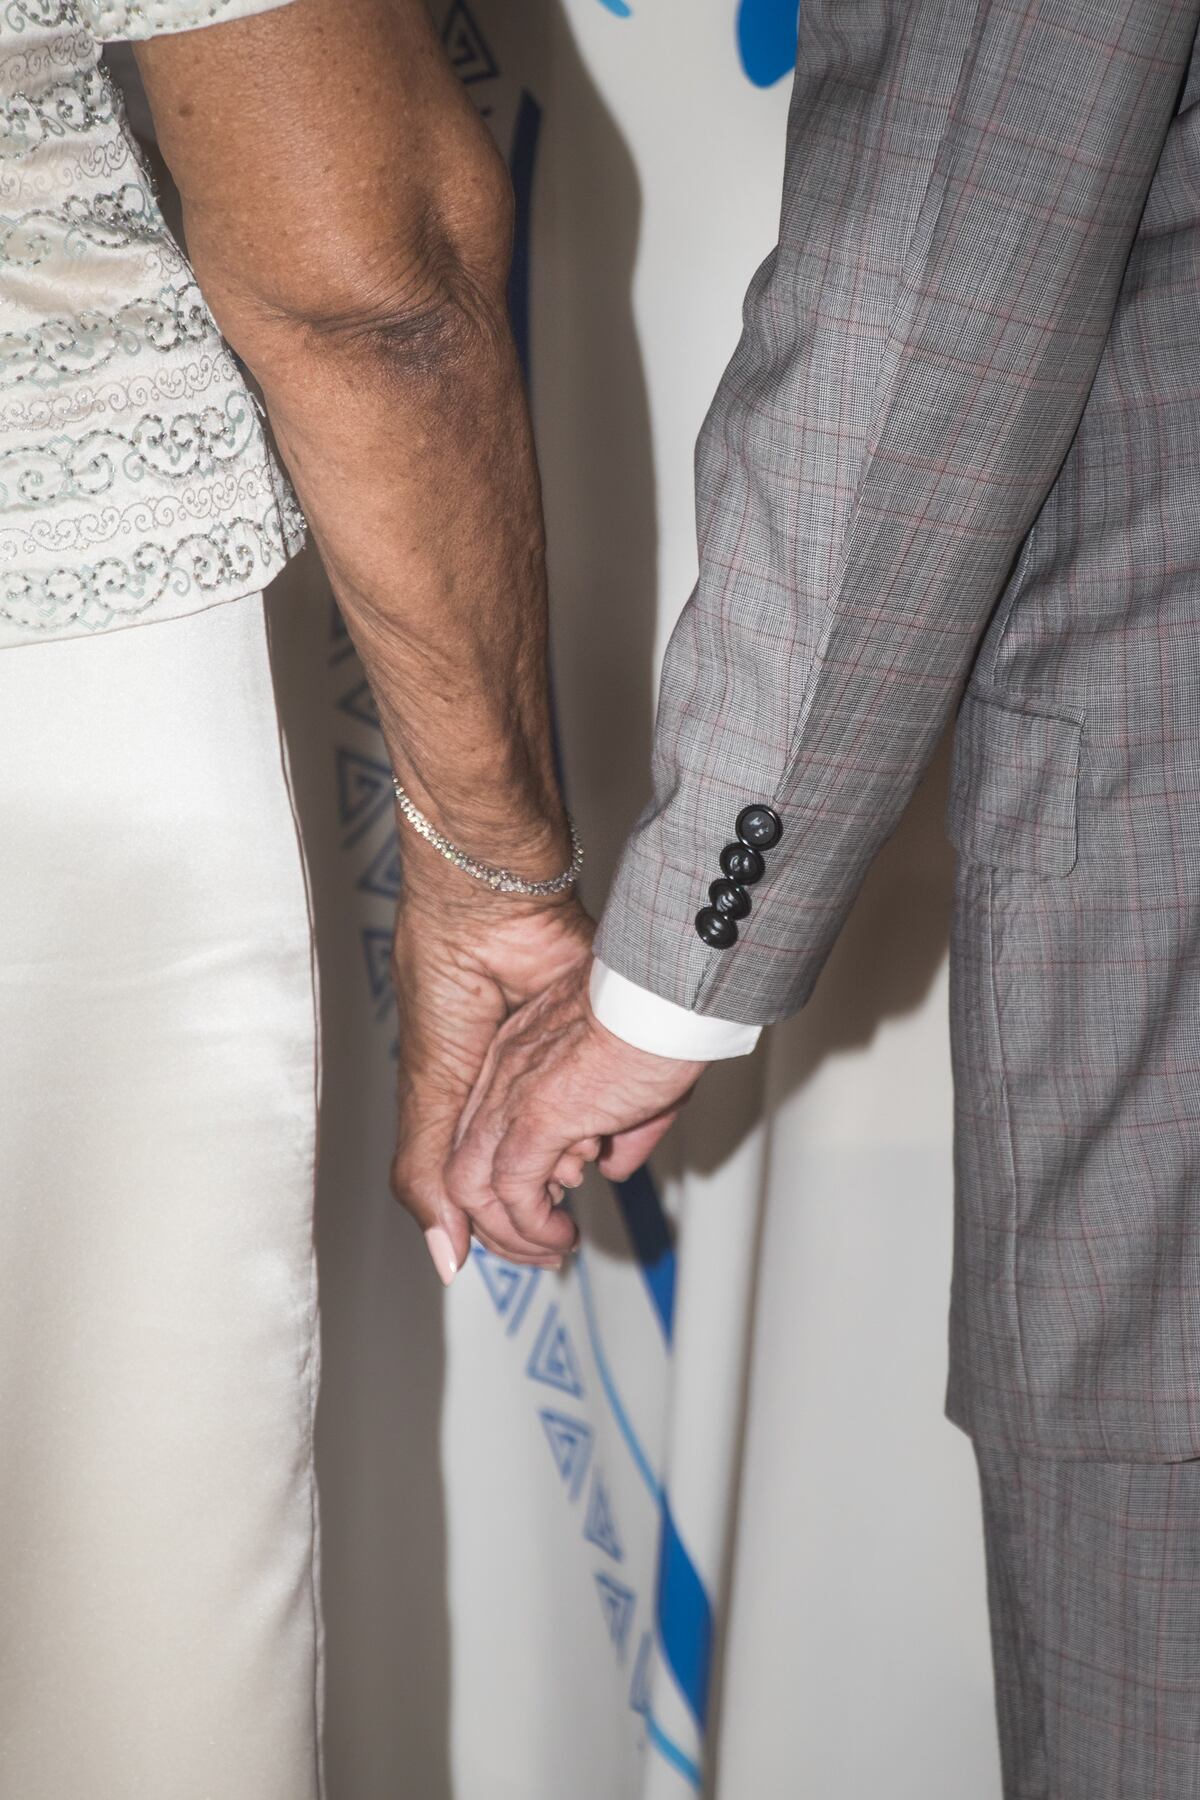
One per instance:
(414, 1192)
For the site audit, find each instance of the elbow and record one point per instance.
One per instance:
(418, 292)
(438, 300)
(435, 290)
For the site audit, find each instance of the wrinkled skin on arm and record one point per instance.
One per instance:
(349, 222)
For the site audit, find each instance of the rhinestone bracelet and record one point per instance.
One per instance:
(501, 881)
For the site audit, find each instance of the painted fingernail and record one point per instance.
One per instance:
(441, 1251)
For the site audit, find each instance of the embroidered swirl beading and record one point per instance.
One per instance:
(150, 491)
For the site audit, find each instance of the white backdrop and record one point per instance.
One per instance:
(746, 1364)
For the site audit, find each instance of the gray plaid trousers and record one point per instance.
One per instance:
(1094, 1595)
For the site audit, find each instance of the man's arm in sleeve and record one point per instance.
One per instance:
(639, 1016)
(964, 181)
(963, 185)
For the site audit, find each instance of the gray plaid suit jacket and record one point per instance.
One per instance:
(955, 461)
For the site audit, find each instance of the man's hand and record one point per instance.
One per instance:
(556, 1091)
(462, 963)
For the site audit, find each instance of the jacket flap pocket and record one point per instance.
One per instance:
(1014, 787)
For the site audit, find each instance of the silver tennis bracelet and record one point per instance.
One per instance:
(501, 881)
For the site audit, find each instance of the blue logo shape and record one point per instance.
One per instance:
(639, 1687)
(766, 35)
(685, 1619)
(364, 788)
(650, 1233)
(570, 1443)
(618, 1603)
(767, 31)
(377, 950)
(339, 638)
(359, 702)
(599, 1527)
(383, 874)
(510, 1288)
(467, 48)
(553, 1358)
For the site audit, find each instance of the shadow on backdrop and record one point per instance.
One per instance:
(883, 967)
(388, 1629)
(383, 1534)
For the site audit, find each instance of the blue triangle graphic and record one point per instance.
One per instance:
(502, 1280)
(377, 949)
(599, 1527)
(510, 1288)
(553, 1358)
(360, 704)
(466, 47)
(364, 787)
(639, 1687)
(618, 1603)
(570, 1443)
(384, 873)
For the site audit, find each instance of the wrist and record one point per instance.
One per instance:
(492, 792)
(635, 1056)
(539, 860)
(520, 946)
(437, 900)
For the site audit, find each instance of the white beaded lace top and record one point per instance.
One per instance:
(135, 480)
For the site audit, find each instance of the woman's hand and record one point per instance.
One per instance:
(463, 962)
(556, 1089)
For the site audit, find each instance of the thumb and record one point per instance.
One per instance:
(446, 1229)
(448, 1241)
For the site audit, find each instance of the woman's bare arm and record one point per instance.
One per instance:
(349, 222)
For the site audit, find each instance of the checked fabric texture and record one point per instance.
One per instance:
(1094, 1594)
(956, 460)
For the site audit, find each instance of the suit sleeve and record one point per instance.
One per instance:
(113, 21)
(963, 185)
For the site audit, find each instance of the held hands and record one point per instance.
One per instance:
(510, 1085)
(461, 963)
(557, 1090)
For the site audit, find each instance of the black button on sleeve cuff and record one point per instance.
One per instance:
(715, 929)
(742, 864)
(728, 898)
(759, 827)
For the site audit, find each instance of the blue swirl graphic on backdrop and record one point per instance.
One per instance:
(766, 36)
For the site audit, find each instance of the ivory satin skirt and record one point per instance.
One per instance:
(159, 1614)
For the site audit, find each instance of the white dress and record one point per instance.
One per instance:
(159, 1614)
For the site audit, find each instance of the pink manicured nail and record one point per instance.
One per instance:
(441, 1251)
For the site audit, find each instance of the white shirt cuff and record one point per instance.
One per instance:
(648, 1022)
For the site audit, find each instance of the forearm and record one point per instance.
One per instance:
(414, 463)
(350, 224)
(915, 361)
